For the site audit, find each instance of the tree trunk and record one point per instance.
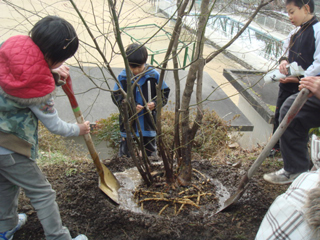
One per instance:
(164, 152)
(196, 70)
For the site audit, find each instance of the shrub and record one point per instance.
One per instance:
(212, 136)
(108, 130)
(315, 131)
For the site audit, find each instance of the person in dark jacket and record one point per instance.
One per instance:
(295, 213)
(301, 46)
(147, 80)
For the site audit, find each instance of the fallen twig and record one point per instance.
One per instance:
(202, 175)
(198, 198)
(181, 207)
(196, 195)
(164, 208)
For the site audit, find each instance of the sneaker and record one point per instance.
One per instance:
(8, 235)
(80, 237)
(274, 152)
(280, 177)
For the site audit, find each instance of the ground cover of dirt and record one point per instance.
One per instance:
(85, 209)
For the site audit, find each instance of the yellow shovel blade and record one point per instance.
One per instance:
(109, 184)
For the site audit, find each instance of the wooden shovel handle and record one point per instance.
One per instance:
(292, 112)
(67, 88)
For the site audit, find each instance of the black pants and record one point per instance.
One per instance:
(294, 141)
(282, 97)
(149, 144)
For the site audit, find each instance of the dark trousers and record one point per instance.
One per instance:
(282, 97)
(294, 141)
(149, 144)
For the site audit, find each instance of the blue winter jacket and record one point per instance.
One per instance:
(152, 76)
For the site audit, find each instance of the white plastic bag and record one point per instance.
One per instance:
(275, 75)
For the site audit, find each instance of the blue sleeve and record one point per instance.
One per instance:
(116, 87)
(164, 85)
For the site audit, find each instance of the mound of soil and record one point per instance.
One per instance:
(85, 209)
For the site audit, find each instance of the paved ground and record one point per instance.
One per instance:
(96, 104)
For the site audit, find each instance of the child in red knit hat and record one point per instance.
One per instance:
(27, 87)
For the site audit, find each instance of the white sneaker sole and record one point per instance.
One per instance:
(278, 183)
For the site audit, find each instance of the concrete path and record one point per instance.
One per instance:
(96, 103)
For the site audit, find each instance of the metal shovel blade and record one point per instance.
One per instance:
(110, 189)
(237, 195)
(292, 112)
(107, 181)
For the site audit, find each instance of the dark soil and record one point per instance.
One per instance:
(85, 209)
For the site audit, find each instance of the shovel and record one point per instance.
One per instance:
(292, 112)
(107, 181)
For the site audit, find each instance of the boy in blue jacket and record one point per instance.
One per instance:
(148, 79)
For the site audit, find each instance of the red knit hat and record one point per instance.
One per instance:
(24, 72)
